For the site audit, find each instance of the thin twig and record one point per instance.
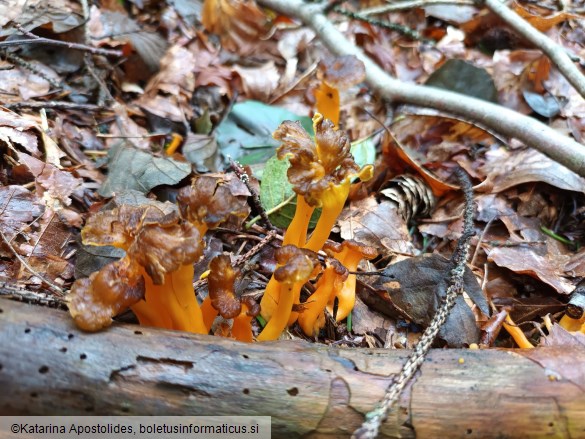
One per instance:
(54, 288)
(374, 419)
(55, 105)
(12, 291)
(501, 120)
(412, 4)
(557, 54)
(245, 178)
(17, 60)
(35, 39)
(245, 257)
(400, 28)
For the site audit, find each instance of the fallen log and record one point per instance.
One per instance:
(48, 367)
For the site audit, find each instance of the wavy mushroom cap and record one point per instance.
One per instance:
(316, 165)
(220, 282)
(214, 199)
(95, 300)
(161, 250)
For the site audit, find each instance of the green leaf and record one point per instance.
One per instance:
(364, 152)
(130, 168)
(462, 77)
(246, 133)
(275, 190)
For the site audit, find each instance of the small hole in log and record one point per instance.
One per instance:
(43, 369)
(27, 331)
(1, 310)
(1, 366)
(34, 394)
(138, 332)
(356, 369)
(246, 391)
(63, 350)
(293, 391)
(551, 424)
(245, 356)
(125, 409)
(70, 336)
(89, 409)
(469, 431)
(82, 357)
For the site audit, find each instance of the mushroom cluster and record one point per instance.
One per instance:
(321, 172)
(155, 277)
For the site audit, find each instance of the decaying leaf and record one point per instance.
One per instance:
(527, 260)
(377, 225)
(18, 208)
(130, 168)
(505, 169)
(414, 288)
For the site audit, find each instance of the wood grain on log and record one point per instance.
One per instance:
(48, 367)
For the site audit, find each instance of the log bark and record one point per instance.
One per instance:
(48, 367)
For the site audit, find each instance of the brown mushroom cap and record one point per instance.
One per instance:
(213, 200)
(315, 166)
(161, 250)
(119, 226)
(297, 264)
(220, 283)
(334, 249)
(95, 300)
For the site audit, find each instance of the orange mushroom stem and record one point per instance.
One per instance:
(349, 253)
(242, 326)
(297, 266)
(312, 318)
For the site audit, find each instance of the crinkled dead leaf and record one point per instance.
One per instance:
(169, 92)
(545, 264)
(376, 225)
(259, 83)
(239, 23)
(61, 15)
(506, 169)
(19, 84)
(18, 207)
(116, 28)
(53, 184)
(129, 168)
(16, 129)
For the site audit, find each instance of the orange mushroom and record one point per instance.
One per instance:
(349, 253)
(95, 300)
(312, 318)
(296, 266)
(321, 173)
(221, 280)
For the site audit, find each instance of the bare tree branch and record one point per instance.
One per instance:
(556, 53)
(499, 119)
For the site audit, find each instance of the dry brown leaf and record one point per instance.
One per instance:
(239, 23)
(505, 169)
(259, 83)
(542, 22)
(53, 184)
(376, 225)
(533, 261)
